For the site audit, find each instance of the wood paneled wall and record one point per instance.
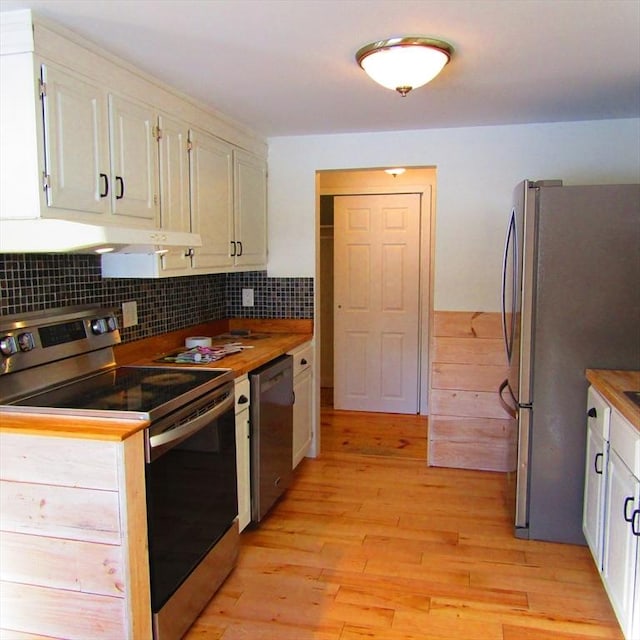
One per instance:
(468, 428)
(73, 558)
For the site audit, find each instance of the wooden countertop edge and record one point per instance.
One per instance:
(118, 429)
(612, 384)
(70, 427)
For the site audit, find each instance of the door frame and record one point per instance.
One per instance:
(427, 189)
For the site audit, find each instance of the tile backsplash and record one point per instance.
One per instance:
(34, 282)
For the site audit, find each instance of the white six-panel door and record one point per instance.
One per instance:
(376, 310)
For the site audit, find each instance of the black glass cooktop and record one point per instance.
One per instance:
(140, 390)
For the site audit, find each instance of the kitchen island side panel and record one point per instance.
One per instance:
(72, 557)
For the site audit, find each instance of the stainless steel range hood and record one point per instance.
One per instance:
(63, 236)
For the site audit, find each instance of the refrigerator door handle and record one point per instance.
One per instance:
(510, 240)
(511, 410)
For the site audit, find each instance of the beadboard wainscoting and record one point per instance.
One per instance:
(468, 428)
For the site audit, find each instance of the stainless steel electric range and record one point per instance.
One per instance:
(62, 362)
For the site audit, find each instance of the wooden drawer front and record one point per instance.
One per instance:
(59, 461)
(598, 413)
(242, 390)
(62, 512)
(625, 440)
(302, 358)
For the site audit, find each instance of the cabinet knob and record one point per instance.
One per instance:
(303, 361)
(243, 399)
(592, 413)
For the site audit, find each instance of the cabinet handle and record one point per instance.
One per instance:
(627, 502)
(105, 183)
(120, 182)
(233, 248)
(595, 463)
(243, 399)
(635, 523)
(303, 361)
(240, 245)
(592, 413)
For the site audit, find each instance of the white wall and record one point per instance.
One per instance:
(477, 169)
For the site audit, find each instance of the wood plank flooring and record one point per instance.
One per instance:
(371, 543)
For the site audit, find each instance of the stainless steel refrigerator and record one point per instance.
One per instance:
(570, 302)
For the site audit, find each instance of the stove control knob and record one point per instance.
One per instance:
(8, 345)
(112, 323)
(26, 341)
(99, 326)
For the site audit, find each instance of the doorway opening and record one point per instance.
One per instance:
(420, 181)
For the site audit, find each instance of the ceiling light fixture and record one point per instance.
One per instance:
(404, 63)
(397, 171)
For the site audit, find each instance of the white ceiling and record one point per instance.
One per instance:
(286, 67)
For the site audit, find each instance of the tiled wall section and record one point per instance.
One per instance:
(273, 297)
(33, 282)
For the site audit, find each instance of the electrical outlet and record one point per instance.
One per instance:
(247, 297)
(129, 314)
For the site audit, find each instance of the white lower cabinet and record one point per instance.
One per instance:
(243, 450)
(598, 419)
(616, 523)
(303, 405)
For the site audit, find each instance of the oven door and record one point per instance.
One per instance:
(191, 488)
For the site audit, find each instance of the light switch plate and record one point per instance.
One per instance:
(129, 314)
(247, 297)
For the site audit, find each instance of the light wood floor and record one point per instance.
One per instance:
(370, 543)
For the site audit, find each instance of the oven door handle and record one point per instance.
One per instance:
(171, 437)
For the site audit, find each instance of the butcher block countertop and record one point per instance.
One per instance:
(612, 384)
(276, 338)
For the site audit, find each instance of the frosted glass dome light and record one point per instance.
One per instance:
(405, 63)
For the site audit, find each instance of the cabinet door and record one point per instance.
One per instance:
(302, 415)
(598, 422)
(243, 451)
(211, 199)
(175, 211)
(250, 208)
(134, 161)
(593, 512)
(173, 143)
(76, 143)
(620, 543)
(242, 457)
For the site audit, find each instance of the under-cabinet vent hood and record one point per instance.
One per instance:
(64, 236)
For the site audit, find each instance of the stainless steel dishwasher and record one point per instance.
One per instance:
(271, 420)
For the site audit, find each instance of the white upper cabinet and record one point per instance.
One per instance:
(100, 152)
(76, 171)
(249, 241)
(173, 148)
(93, 143)
(134, 160)
(211, 199)
(175, 207)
